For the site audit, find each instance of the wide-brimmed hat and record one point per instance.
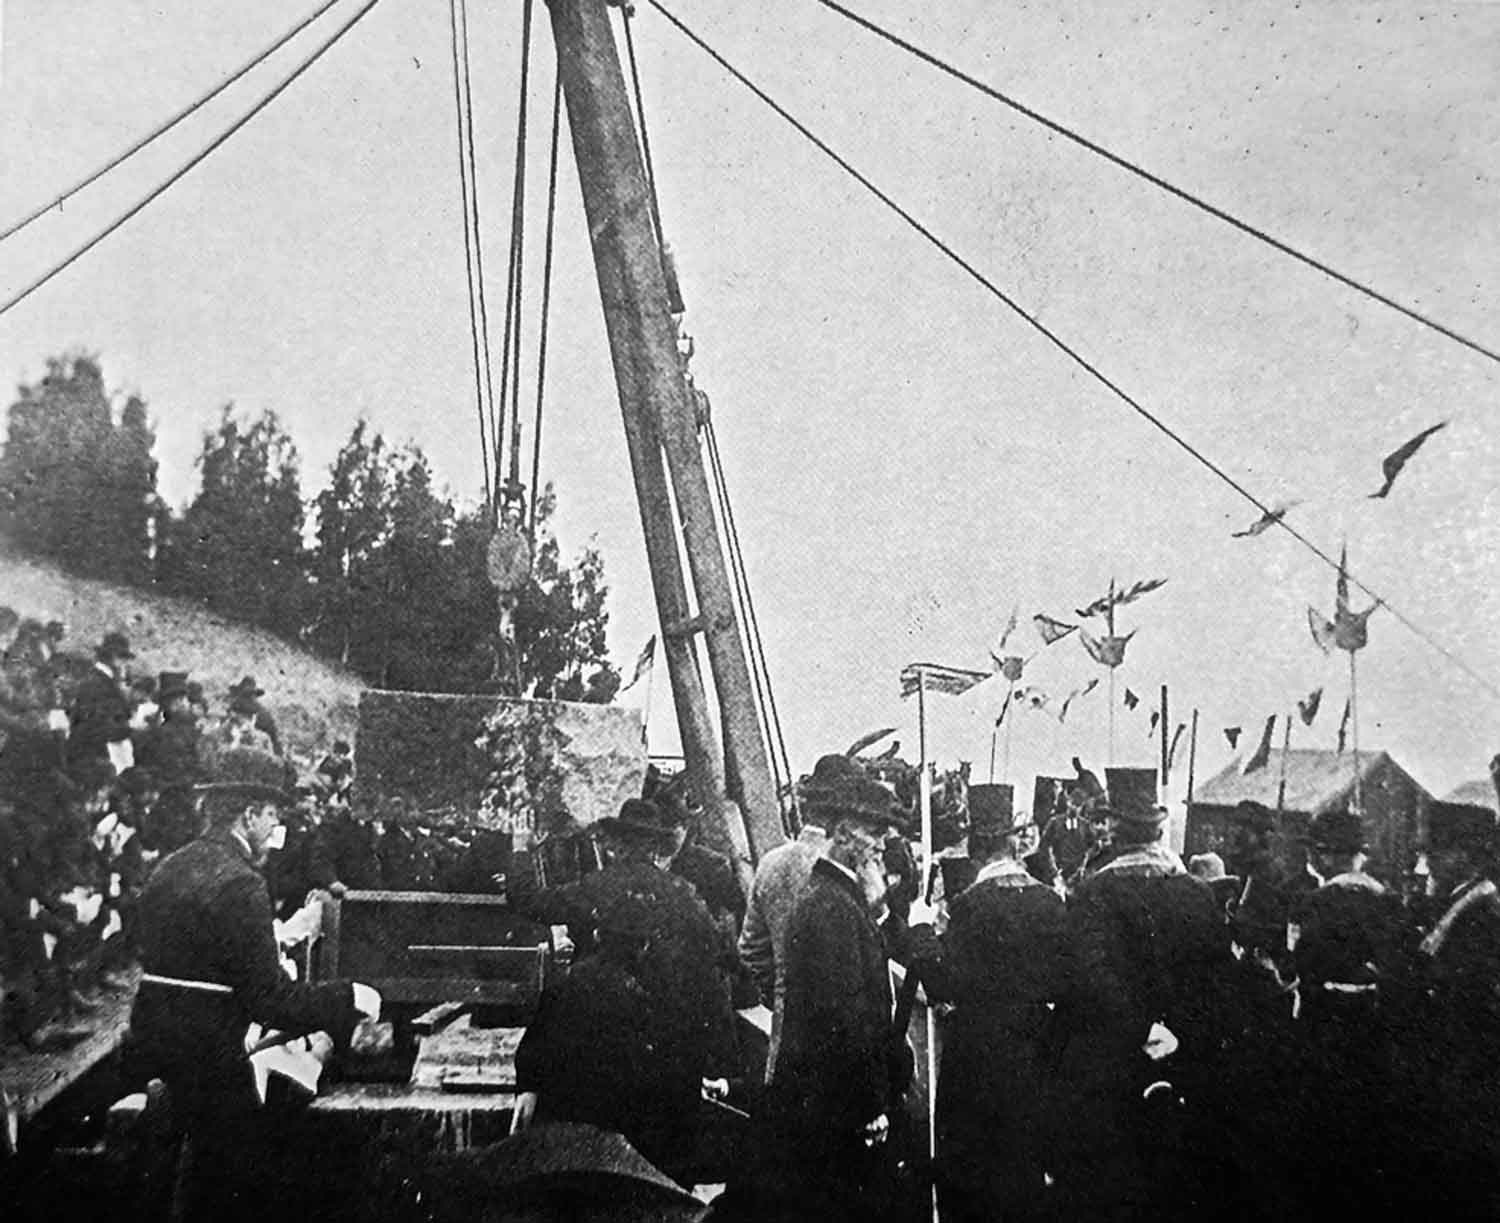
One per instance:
(640, 819)
(992, 812)
(1338, 831)
(1467, 827)
(114, 645)
(827, 774)
(171, 684)
(860, 799)
(1131, 796)
(249, 773)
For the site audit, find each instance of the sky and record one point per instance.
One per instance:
(908, 461)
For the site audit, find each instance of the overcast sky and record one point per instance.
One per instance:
(908, 460)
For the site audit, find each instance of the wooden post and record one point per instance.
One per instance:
(1286, 749)
(1192, 757)
(924, 793)
(1359, 805)
(1165, 736)
(660, 419)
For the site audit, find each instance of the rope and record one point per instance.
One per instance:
(459, 75)
(1181, 193)
(510, 360)
(640, 114)
(307, 62)
(1067, 350)
(473, 206)
(541, 347)
(167, 125)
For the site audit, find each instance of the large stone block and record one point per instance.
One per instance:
(532, 768)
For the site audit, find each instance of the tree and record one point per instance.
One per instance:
(75, 485)
(353, 515)
(238, 546)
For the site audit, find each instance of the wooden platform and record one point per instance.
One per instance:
(32, 1081)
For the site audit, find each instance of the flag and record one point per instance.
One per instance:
(1344, 723)
(1268, 519)
(1262, 754)
(1392, 464)
(1051, 630)
(1155, 722)
(1232, 733)
(1010, 666)
(1117, 598)
(1010, 627)
(1322, 631)
(1110, 651)
(1307, 707)
(643, 663)
(951, 681)
(1062, 714)
(1348, 630)
(1131, 700)
(1176, 738)
(1032, 696)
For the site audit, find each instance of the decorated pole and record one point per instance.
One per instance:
(1348, 632)
(1166, 760)
(1192, 756)
(1359, 804)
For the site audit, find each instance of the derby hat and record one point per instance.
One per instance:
(1131, 795)
(640, 819)
(114, 646)
(1253, 815)
(827, 774)
(1338, 831)
(252, 774)
(1464, 827)
(857, 798)
(992, 812)
(171, 684)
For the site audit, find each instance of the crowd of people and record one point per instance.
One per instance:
(1130, 1038)
(98, 777)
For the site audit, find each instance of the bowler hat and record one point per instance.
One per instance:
(827, 774)
(1466, 827)
(1338, 831)
(640, 819)
(252, 774)
(114, 645)
(992, 812)
(1132, 796)
(857, 798)
(171, 684)
(1255, 816)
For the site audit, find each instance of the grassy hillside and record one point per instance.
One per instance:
(312, 701)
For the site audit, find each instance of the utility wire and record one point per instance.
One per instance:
(167, 125)
(1062, 345)
(463, 182)
(307, 62)
(541, 347)
(1181, 193)
(511, 342)
(640, 111)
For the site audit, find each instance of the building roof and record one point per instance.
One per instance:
(1315, 780)
(1476, 793)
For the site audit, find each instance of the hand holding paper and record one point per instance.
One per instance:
(366, 1001)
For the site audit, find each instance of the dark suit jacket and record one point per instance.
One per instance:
(832, 1075)
(205, 916)
(100, 716)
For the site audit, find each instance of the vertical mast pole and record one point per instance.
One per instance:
(659, 420)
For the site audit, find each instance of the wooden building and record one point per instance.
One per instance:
(1395, 806)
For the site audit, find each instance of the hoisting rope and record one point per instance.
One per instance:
(477, 322)
(541, 345)
(628, 12)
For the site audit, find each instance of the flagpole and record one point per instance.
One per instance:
(1165, 731)
(924, 793)
(646, 704)
(1192, 756)
(1359, 806)
(1009, 730)
(1109, 757)
(1286, 748)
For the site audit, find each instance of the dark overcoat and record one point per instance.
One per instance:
(100, 716)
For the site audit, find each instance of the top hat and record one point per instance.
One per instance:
(1132, 796)
(992, 813)
(252, 774)
(114, 646)
(1338, 831)
(1465, 827)
(1047, 798)
(171, 684)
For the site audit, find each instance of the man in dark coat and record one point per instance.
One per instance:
(170, 754)
(1006, 964)
(1150, 945)
(832, 1098)
(209, 967)
(101, 710)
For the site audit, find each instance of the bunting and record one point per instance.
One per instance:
(1104, 604)
(1010, 627)
(950, 681)
(1232, 733)
(1131, 700)
(1011, 667)
(1176, 739)
(1266, 521)
(1107, 651)
(1307, 707)
(1347, 630)
(1062, 714)
(1051, 630)
(1262, 754)
(643, 663)
(1391, 465)
(1155, 722)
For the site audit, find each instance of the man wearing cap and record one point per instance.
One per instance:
(782, 879)
(101, 710)
(1006, 963)
(209, 967)
(832, 1096)
(246, 723)
(1150, 946)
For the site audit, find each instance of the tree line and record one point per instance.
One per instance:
(389, 580)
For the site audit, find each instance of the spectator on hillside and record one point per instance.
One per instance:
(170, 754)
(100, 719)
(336, 773)
(247, 724)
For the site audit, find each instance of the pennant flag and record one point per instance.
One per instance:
(1266, 521)
(643, 663)
(1062, 714)
(1051, 630)
(1108, 651)
(1176, 739)
(1262, 754)
(864, 741)
(1232, 733)
(1131, 700)
(1011, 666)
(1344, 724)
(1322, 630)
(950, 681)
(1104, 603)
(1348, 630)
(1155, 722)
(1392, 464)
(1010, 627)
(1307, 707)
